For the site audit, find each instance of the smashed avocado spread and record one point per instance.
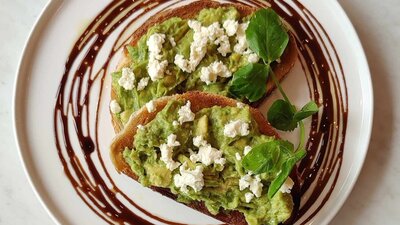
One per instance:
(197, 156)
(178, 60)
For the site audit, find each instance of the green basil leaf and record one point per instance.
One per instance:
(308, 110)
(250, 82)
(266, 35)
(262, 158)
(281, 114)
(287, 168)
(275, 157)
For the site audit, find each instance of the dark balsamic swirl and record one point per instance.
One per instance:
(74, 118)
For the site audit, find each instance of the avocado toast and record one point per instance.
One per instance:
(190, 148)
(167, 55)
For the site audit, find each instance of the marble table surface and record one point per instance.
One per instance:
(376, 196)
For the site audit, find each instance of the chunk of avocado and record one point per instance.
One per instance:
(202, 127)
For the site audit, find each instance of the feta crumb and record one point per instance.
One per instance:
(287, 186)
(150, 106)
(224, 45)
(156, 68)
(172, 142)
(235, 128)
(167, 150)
(127, 80)
(238, 157)
(182, 63)
(191, 178)
(202, 36)
(185, 113)
(194, 25)
(253, 183)
(140, 127)
(240, 105)
(175, 123)
(199, 141)
(241, 39)
(115, 107)
(246, 150)
(208, 155)
(210, 74)
(256, 186)
(248, 196)
(172, 41)
(253, 58)
(244, 182)
(154, 44)
(166, 157)
(143, 83)
(231, 27)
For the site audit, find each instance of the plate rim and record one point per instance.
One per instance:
(41, 23)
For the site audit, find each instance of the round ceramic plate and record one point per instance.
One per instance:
(51, 113)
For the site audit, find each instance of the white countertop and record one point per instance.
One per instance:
(376, 196)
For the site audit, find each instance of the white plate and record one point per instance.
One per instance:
(41, 70)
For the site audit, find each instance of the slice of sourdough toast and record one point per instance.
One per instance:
(200, 100)
(190, 11)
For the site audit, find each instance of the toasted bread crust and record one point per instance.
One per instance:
(190, 11)
(199, 100)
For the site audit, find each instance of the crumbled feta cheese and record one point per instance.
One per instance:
(199, 141)
(253, 183)
(240, 105)
(256, 186)
(231, 27)
(175, 123)
(194, 25)
(150, 106)
(241, 39)
(154, 44)
(182, 63)
(253, 58)
(140, 127)
(167, 150)
(244, 182)
(238, 157)
(287, 186)
(156, 68)
(143, 83)
(191, 178)
(213, 34)
(210, 74)
(208, 155)
(127, 80)
(172, 41)
(166, 157)
(248, 196)
(246, 150)
(172, 142)
(224, 45)
(235, 128)
(185, 114)
(115, 107)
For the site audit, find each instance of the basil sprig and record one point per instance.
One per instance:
(268, 39)
(248, 78)
(277, 158)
